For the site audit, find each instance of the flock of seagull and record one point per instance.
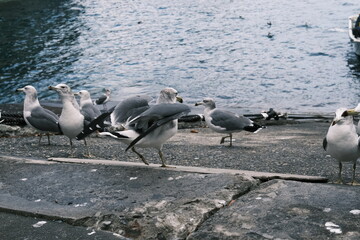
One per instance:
(133, 121)
(138, 124)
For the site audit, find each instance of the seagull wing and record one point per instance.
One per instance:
(157, 116)
(90, 112)
(44, 120)
(96, 124)
(229, 120)
(129, 109)
(101, 99)
(325, 143)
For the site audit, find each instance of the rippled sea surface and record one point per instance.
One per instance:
(219, 49)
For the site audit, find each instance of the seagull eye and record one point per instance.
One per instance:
(345, 114)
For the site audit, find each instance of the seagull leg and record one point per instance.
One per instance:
(162, 158)
(88, 154)
(140, 156)
(353, 182)
(48, 136)
(40, 136)
(71, 148)
(223, 139)
(340, 180)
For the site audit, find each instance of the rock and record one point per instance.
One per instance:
(288, 210)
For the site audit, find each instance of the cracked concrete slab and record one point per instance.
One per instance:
(138, 203)
(288, 210)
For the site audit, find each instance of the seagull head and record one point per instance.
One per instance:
(83, 94)
(207, 102)
(169, 95)
(107, 92)
(62, 89)
(29, 91)
(344, 116)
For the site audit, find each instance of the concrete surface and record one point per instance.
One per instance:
(215, 192)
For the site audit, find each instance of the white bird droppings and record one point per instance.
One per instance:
(91, 233)
(24, 179)
(355, 211)
(133, 178)
(39, 224)
(327, 210)
(333, 228)
(80, 205)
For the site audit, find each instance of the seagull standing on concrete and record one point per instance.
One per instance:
(71, 121)
(87, 107)
(37, 117)
(226, 122)
(342, 141)
(103, 99)
(153, 127)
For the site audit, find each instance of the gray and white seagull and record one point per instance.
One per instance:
(342, 141)
(87, 108)
(71, 121)
(222, 121)
(39, 118)
(103, 99)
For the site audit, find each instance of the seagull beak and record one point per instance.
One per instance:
(352, 112)
(20, 90)
(76, 94)
(199, 103)
(52, 88)
(179, 99)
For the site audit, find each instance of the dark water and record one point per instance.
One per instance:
(216, 49)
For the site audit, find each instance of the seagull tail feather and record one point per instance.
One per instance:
(96, 124)
(254, 128)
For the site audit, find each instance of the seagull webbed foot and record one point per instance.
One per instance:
(339, 181)
(355, 183)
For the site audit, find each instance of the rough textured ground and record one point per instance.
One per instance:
(290, 148)
(142, 202)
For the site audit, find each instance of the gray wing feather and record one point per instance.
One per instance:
(229, 120)
(129, 109)
(90, 112)
(157, 116)
(44, 120)
(158, 112)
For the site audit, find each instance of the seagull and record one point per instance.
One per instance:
(103, 99)
(153, 127)
(87, 108)
(342, 141)
(37, 117)
(226, 122)
(71, 121)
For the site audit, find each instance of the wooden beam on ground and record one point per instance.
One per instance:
(263, 176)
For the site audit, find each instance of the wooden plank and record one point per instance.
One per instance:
(264, 176)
